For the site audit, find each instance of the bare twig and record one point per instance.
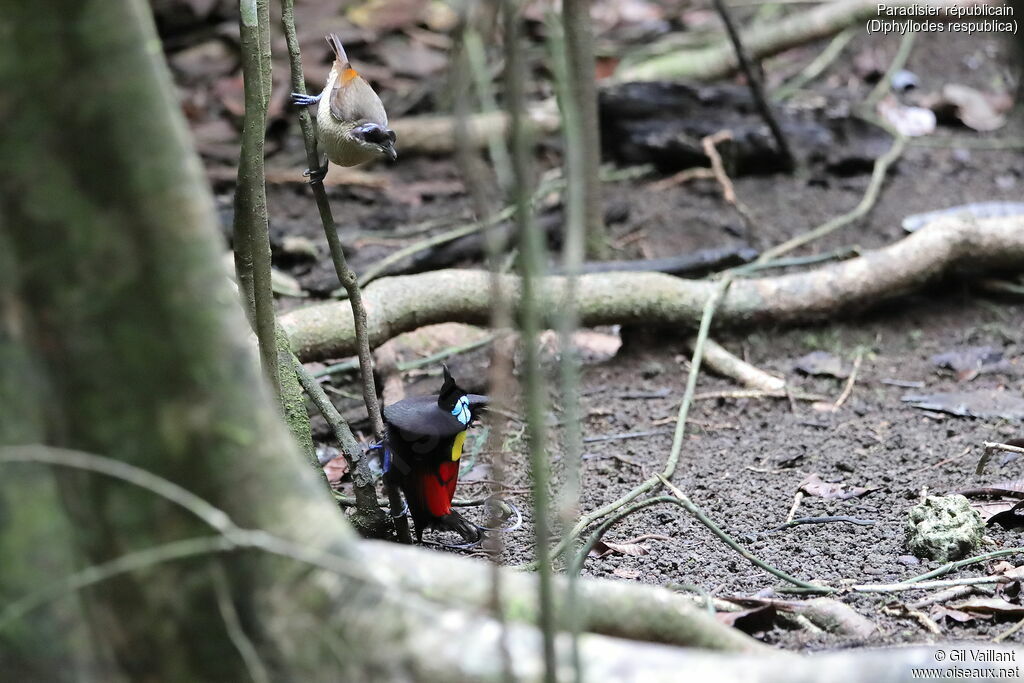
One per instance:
(725, 363)
(677, 441)
(251, 229)
(718, 170)
(754, 83)
(902, 611)
(62, 457)
(848, 389)
(797, 499)
(944, 596)
(756, 393)
(362, 477)
(254, 665)
(699, 515)
(882, 165)
(572, 47)
(583, 134)
(345, 274)
(830, 519)
(1009, 632)
(839, 254)
(626, 435)
(230, 537)
(532, 247)
(485, 93)
(556, 185)
(945, 583)
(684, 176)
(817, 66)
(883, 85)
(950, 566)
(992, 447)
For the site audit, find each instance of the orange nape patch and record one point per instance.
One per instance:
(348, 74)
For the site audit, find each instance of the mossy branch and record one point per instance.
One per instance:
(251, 228)
(346, 276)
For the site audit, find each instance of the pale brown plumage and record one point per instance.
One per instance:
(352, 123)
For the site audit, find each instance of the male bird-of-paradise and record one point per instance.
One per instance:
(422, 449)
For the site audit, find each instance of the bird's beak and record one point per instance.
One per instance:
(390, 152)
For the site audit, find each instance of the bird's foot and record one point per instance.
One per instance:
(300, 100)
(317, 175)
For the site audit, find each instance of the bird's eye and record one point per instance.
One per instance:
(391, 135)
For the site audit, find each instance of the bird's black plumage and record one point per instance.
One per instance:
(424, 442)
(421, 415)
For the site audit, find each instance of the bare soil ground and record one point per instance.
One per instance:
(743, 460)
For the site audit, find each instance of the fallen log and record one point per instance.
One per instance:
(400, 304)
(767, 39)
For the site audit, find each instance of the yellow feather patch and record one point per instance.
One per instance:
(348, 74)
(460, 441)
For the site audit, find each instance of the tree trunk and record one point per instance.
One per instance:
(120, 335)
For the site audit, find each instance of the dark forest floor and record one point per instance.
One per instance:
(743, 460)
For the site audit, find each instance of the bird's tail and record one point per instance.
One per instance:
(339, 52)
(453, 521)
(429, 492)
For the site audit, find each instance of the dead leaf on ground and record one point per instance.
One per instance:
(412, 58)
(750, 621)
(814, 486)
(817, 363)
(391, 15)
(1009, 489)
(204, 61)
(594, 346)
(990, 508)
(415, 193)
(969, 362)
(626, 573)
(997, 498)
(481, 472)
(1000, 567)
(827, 614)
(1012, 518)
(1007, 569)
(230, 91)
(908, 120)
(941, 613)
(216, 139)
(335, 469)
(336, 175)
(606, 548)
(870, 63)
(977, 110)
(987, 404)
(993, 606)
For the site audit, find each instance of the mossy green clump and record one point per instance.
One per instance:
(944, 528)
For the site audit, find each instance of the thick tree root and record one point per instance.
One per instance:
(400, 304)
(612, 608)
